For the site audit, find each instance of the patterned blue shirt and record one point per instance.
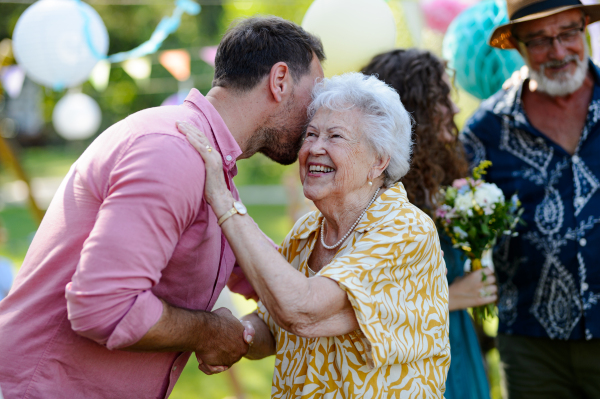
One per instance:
(549, 275)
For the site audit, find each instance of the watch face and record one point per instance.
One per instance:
(240, 207)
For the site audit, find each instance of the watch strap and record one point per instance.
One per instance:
(227, 215)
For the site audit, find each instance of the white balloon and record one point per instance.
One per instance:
(352, 31)
(58, 42)
(76, 116)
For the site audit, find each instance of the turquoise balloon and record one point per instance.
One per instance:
(479, 68)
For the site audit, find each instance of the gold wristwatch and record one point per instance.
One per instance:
(238, 207)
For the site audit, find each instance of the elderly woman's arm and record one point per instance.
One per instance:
(263, 344)
(308, 307)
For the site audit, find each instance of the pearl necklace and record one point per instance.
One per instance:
(337, 244)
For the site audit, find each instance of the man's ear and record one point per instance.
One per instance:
(280, 81)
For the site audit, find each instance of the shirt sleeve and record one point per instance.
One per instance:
(264, 314)
(154, 193)
(395, 279)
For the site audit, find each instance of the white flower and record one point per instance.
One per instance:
(487, 195)
(460, 232)
(464, 202)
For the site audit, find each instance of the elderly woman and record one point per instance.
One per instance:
(355, 303)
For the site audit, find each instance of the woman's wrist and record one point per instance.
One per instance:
(222, 204)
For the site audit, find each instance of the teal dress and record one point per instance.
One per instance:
(466, 377)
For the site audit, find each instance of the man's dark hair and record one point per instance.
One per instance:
(249, 50)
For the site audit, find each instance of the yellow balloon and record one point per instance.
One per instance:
(352, 31)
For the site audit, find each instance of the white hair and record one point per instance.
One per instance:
(385, 122)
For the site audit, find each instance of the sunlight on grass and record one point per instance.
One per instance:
(254, 378)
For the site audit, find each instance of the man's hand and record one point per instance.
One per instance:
(228, 346)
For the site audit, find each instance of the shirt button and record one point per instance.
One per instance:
(228, 157)
(584, 286)
(583, 242)
(575, 158)
(539, 140)
(174, 368)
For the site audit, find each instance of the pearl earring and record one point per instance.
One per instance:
(370, 183)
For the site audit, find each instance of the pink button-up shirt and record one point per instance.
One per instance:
(128, 225)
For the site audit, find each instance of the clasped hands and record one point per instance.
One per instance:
(231, 344)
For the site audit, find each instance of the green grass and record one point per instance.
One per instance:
(254, 377)
(20, 228)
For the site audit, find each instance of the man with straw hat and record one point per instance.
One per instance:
(543, 138)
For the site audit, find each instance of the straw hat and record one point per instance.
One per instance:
(528, 10)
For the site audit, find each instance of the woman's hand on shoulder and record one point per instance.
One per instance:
(470, 291)
(215, 188)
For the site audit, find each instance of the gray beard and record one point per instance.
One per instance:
(564, 84)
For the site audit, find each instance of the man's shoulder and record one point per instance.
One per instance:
(162, 120)
(493, 108)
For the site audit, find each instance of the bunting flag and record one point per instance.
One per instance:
(208, 55)
(138, 68)
(177, 62)
(12, 78)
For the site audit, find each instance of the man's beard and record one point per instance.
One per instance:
(279, 138)
(564, 83)
(276, 140)
(274, 145)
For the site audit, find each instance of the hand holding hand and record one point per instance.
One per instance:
(229, 345)
(470, 291)
(230, 348)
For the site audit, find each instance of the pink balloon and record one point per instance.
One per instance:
(440, 13)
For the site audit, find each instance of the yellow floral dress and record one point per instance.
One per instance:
(393, 271)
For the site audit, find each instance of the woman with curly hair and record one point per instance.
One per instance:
(438, 159)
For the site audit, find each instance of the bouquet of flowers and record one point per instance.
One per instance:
(474, 214)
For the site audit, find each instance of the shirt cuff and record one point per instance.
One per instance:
(144, 314)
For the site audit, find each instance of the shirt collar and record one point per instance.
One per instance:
(228, 147)
(391, 200)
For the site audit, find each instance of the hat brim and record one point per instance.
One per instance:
(501, 36)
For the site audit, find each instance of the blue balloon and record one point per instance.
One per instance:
(480, 69)
(6, 276)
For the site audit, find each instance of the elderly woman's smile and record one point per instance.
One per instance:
(317, 170)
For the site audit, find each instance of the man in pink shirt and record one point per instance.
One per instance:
(118, 285)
